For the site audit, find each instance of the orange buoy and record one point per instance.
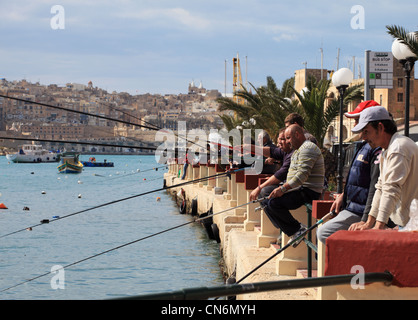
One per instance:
(2, 206)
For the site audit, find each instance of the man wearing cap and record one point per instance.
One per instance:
(396, 186)
(353, 205)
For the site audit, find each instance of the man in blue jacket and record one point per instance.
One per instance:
(353, 205)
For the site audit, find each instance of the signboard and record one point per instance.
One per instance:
(379, 70)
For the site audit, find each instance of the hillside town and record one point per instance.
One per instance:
(23, 119)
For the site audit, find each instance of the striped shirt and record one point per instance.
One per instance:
(307, 168)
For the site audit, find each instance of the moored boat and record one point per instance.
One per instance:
(70, 163)
(93, 163)
(33, 153)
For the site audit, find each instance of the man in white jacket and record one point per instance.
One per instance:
(397, 184)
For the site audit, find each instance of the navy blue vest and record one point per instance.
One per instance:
(358, 180)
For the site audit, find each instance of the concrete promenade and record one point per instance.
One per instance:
(247, 238)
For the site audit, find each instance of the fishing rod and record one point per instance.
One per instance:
(80, 142)
(46, 221)
(132, 242)
(154, 127)
(76, 111)
(290, 243)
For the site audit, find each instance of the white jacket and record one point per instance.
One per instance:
(397, 185)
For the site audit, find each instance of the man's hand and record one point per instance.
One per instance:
(336, 205)
(254, 194)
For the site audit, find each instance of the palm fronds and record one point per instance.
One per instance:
(404, 37)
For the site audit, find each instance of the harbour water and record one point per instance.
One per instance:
(181, 258)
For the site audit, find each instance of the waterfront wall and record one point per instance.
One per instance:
(247, 238)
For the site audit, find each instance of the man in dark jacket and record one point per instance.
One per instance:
(353, 205)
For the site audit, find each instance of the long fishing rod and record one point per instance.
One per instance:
(154, 127)
(290, 243)
(76, 111)
(132, 242)
(80, 142)
(46, 221)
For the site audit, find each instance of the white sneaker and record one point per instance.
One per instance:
(297, 235)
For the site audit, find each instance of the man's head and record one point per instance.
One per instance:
(376, 126)
(282, 143)
(355, 114)
(263, 138)
(294, 118)
(295, 136)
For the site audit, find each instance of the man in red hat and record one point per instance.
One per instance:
(354, 204)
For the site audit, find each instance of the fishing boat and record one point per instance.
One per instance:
(93, 163)
(70, 163)
(33, 153)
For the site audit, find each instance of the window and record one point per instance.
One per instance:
(400, 82)
(400, 97)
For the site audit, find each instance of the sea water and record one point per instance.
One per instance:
(181, 258)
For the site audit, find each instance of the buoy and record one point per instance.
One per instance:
(43, 192)
(26, 208)
(79, 196)
(2, 206)
(158, 198)
(145, 179)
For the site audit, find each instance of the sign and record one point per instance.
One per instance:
(379, 70)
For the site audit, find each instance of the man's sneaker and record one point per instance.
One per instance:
(296, 235)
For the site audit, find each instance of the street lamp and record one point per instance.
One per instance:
(407, 58)
(341, 79)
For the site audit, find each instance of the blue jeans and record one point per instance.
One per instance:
(184, 171)
(277, 209)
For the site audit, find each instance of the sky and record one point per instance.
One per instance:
(160, 46)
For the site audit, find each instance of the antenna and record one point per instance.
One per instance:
(322, 61)
(338, 59)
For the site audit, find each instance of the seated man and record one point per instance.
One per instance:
(283, 153)
(396, 186)
(305, 181)
(353, 205)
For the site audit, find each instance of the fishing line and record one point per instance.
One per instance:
(155, 128)
(130, 243)
(76, 111)
(138, 171)
(81, 143)
(46, 221)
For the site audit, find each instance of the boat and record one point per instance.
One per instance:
(93, 163)
(33, 153)
(70, 163)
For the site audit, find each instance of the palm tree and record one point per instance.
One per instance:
(403, 35)
(312, 102)
(268, 107)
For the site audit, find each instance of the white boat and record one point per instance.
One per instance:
(33, 153)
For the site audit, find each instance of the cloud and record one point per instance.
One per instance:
(168, 16)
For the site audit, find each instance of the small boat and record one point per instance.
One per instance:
(93, 163)
(70, 163)
(33, 153)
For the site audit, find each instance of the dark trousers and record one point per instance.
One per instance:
(277, 209)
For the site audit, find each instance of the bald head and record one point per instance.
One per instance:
(295, 136)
